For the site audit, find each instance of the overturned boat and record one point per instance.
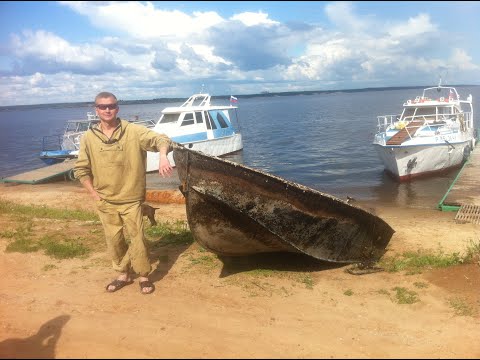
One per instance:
(235, 210)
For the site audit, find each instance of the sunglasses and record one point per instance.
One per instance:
(107, 106)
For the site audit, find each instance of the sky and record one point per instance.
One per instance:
(57, 52)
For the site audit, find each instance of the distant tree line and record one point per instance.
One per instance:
(227, 97)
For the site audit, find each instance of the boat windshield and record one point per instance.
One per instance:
(427, 113)
(221, 120)
(188, 119)
(169, 118)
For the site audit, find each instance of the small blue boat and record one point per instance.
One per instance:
(57, 148)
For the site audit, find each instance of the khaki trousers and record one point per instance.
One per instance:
(116, 218)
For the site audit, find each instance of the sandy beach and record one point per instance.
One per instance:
(262, 307)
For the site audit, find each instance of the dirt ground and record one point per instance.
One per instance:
(297, 309)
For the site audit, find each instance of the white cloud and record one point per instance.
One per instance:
(143, 20)
(38, 80)
(413, 27)
(461, 60)
(342, 15)
(41, 51)
(254, 18)
(319, 60)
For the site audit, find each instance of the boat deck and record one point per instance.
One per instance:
(464, 194)
(405, 133)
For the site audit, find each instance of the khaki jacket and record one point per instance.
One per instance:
(117, 166)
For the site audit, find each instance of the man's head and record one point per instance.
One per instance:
(106, 106)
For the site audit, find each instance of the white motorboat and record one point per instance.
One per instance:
(57, 148)
(201, 126)
(434, 133)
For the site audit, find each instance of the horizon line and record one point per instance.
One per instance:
(261, 94)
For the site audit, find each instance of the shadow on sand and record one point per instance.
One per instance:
(279, 261)
(166, 251)
(38, 346)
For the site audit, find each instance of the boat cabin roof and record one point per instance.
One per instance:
(196, 102)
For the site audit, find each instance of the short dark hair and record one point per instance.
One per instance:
(105, 94)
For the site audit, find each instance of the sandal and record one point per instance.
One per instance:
(118, 284)
(146, 284)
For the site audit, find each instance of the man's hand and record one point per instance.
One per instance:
(87, 184)
(164, 167)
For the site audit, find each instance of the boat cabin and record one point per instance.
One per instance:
(197, 116)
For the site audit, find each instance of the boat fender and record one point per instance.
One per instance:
(466, 152)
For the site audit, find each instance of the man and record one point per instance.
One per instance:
(111, 165)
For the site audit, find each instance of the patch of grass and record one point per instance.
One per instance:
(55, 241)
(414, 262)
(204, 260)
(22, 242)
(49, 267)
(308, 281)
(167, 233)
(472, 254)
(22, 245)
(7, 234)
(35, 211)
(348, 292)
(383, 292)
(420, 285)
(261, 272)
(64, 249)
(404, 296)
(461, 307)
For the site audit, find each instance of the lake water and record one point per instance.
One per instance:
(323, 141)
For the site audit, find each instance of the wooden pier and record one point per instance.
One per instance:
(464, 194)
(44, 174)
(159, 190)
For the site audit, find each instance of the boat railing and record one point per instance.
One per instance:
(467, 118)
(52, 142)
(149, 123)
(200, 100)
(384, 121)
(460, 121)
(436, 118)
(72, 141)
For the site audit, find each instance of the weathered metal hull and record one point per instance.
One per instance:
(235, 210)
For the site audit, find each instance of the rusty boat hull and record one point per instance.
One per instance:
(234, 210)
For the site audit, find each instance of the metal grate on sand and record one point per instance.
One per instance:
(468, 213)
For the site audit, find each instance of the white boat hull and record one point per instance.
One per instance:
(408, 162)
(434, 133)
(213, 147)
